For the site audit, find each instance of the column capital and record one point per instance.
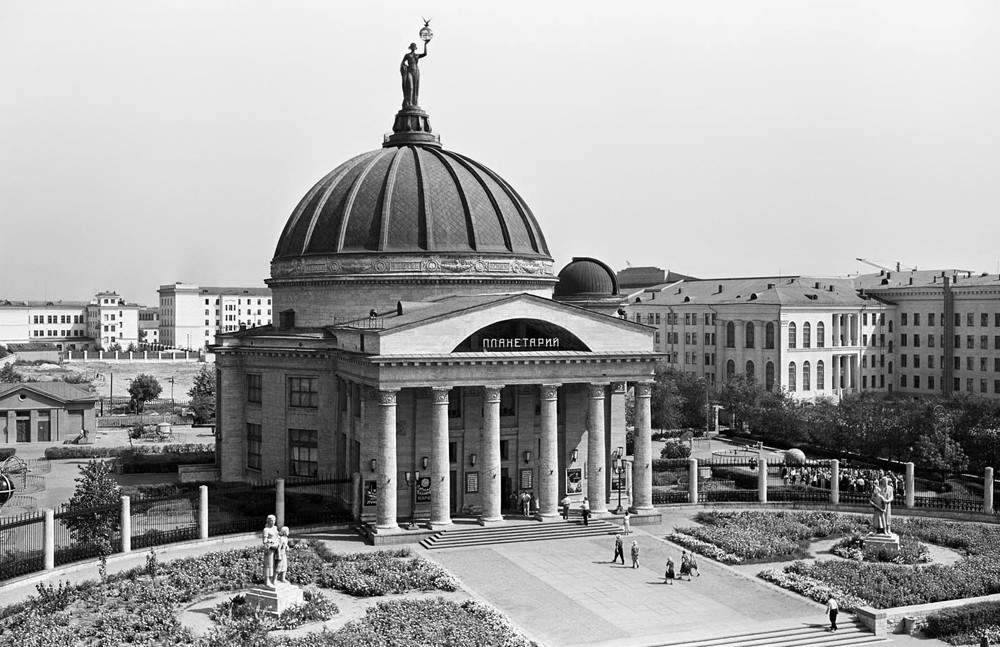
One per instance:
(491, 392)
(387, 397)
(440, 394)
(644, 389)
(618, 387)
(549, 391)
(596, 390)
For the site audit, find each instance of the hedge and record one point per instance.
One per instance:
(970, 618)
(675, 449)
(95, 451)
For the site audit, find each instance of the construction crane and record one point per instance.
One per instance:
(899, 267)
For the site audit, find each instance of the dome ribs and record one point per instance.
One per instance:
(497, 211)
(352, 197)
(470, 234)
(318, 210)
(425, 210)
(387, 190)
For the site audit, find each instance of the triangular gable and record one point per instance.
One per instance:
(33, 399)
(440, 332)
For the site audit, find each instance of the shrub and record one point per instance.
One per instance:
(675, 449)
(966, 623)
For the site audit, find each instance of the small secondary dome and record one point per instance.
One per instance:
(586, 277)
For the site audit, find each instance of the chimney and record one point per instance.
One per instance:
(829, 288)
(678, 290)
(897, 266)
(911, 280)
(720, 288)
(770, 286)
(888, 275)
(816, 285)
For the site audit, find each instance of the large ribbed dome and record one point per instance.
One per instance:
(412, 198)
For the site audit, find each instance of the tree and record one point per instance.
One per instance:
(665, 401)
(143, 389)
(202, 395)
(9, 375)
(98, 498)
(131, 348)
(114, 348)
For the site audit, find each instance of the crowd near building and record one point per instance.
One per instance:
(191, 316)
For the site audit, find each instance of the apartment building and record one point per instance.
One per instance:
(111, 320)
(70, 325)
(191, 315)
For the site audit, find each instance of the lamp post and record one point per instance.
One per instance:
(619, 467)
(412, 480)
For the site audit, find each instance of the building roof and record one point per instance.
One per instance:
(62, 391)
(43, 304)
(586, 277)
(785, 291)
(926, 279)
(32, 347)
(228, 291)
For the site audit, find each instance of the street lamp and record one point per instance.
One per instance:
(412, 480)
(619, 467)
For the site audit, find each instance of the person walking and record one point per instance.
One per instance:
(635, 554)
(685, 566)
(832, 608)
(526, 503)
(693, 567)
(619, 552)
(626, 522)
(670, 574)
(586, 511)
(565, 508)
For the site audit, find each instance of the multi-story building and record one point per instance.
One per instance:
(112, 321)
(70, 325)
(149, 326)
(191, 316)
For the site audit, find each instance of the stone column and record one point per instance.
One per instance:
(548, 459)
(643, 472)
(596, 454)
(692, 480)
(489, 448)
(762, 480)
(203, 512)
(385, 469)
(909, 485)
(279, 502)
(988, 491)
(126, 522)
(836, 330)
(835, 481)
(440, 467)
(49, 539)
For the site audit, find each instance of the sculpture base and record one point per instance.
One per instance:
(888, 542)
(412, 126)
(275, 600)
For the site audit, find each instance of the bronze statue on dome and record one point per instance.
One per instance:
(409, 69)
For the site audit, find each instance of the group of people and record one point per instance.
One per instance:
(851, 479)
(524, 502)
(689, 565)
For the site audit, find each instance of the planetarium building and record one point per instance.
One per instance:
(420, 327)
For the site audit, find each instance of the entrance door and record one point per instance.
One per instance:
(23, 429)
(453, 489)
(506, 488)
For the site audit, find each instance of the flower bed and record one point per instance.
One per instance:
(910, 551)
(812, 588)
(137, 607)
(704, 548)
(236, 613)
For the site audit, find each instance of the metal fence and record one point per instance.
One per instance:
(21, 544)
(164, 520)
(76, 530)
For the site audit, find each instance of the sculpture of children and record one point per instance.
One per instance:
(270, 536)
(281, 564)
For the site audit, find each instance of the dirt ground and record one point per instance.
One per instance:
(100, 373)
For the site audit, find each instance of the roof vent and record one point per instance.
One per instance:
(934, 279)
(888, 275)
(638, 300)
(881, 272)
(816, 285)
(885, 281)
(770, 286)
(720, 288)
(791, 280)
(687, 299)
(679, 289)
(753, 297)
(985, 274)
(399, 308)
(829, 288)
(911, 281)
(812, 297)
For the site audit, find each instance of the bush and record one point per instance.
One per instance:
(675, 449)
(965, 623)
(96, 451)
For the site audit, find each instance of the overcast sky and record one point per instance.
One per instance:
(143, 143)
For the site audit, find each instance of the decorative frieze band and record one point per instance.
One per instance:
(403, 264)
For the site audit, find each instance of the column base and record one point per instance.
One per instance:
(441, 525)
(601, 514)
(642, 509)
(387, 530)
(493, 521)
(546, 517)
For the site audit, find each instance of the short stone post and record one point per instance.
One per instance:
(988, 491)
(126, 525)
(909, 486)
(356, 496)
(279, 502)
(762, 480)
(203, 512)
(835, 481)
(692, 480)
(85, 355)
(49, 539)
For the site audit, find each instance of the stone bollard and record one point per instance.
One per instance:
(692, 480)
(908, 502)
(279, 501)
(49, 539)
(203, 512)
(988, 491)
(835, 481)
(126, 525)
(762, 480)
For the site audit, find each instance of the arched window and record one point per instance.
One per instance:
(769, 335)
(749, 335)
(730, 370)
(820, 375)
(769, 376)
(806, 370)
(806, 335)
(791, 376)
(730, 335)
(821, 334)
(890, 368)
(791, 334)
(750, 370)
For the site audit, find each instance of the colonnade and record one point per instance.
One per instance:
(548, 494)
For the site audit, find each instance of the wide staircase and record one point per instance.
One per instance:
(849, 632)
(517, 532)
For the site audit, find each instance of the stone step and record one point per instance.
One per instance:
(520, 532)
(849, 633)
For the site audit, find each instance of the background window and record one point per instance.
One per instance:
(253, 446)
(253, 388)
(303, 452)
(302, 392)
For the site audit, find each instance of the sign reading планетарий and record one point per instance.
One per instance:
(520, 343)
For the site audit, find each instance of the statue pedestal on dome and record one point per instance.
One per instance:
(412, 126)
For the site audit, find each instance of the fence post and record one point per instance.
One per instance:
(835, 481)
(762, 480)
(203, 512)
(988, 491)
(49, 539)
(909, 485)
(692, 480)
(356, 496)
(126, 525)
(279, 501)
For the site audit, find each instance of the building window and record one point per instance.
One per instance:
(820, 375)
(656, 337)
(730, 370)
(821, 335)
(508, 401)
(769, 335)
(769, 376)
(902, 361)
(730, 335)
(970, 319)
(791, 334)
(657, 318)
(902, 319)
(958, 323)
(930, 382)
(806, 374)
(902, 381)
(930, 318)
(982, 386)
(903, 340)
(916, 361)
(916, 341)
(303, 452)
(970, 341)
(750, 330)
(916, 318)
(807, 335)
(984, 342)
(930, 341)
(751, 371)
(968, 384)
(791, 376)
(302, 392)
(983, 363)
(930, 361)
(253, 446)
(254, 388)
